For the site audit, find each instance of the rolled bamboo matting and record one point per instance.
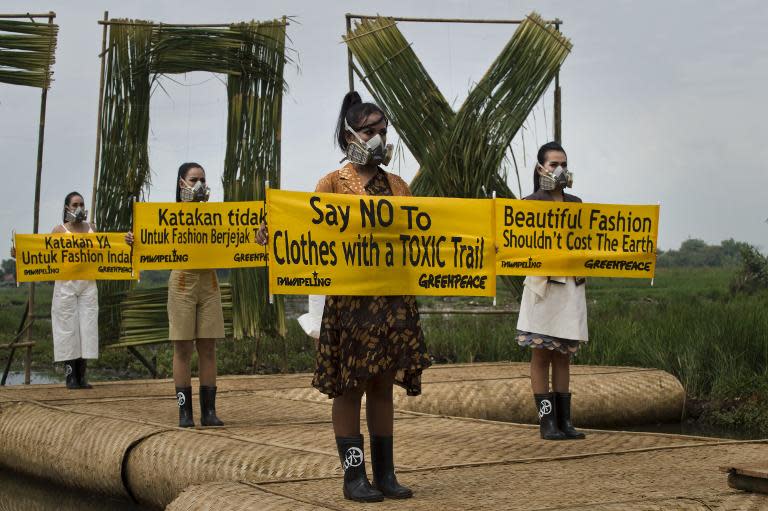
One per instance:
(602, 396)
(78, 450)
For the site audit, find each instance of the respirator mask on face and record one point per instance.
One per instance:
(559, 178)
(77, 215)
(197, 193)
(375, 151)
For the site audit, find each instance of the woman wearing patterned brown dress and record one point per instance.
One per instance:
(367, 343)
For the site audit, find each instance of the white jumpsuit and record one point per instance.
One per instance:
(75, 319)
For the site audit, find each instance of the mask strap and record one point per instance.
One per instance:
(349, 128)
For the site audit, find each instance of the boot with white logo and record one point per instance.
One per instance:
(70, 371)
(356, 484)
(545, 404)
(184, 400)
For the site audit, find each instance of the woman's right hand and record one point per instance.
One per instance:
(262, 235)
(129, 238)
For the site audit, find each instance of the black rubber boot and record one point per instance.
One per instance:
(563, 411)
(356, 484)
(208, 407)
(383, 464)
(184, 400)
(70, 371)
(545, 404)
(82, 382)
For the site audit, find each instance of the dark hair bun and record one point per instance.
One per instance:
(351, 98)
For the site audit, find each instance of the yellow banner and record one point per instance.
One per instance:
(575, 239)
(323, 243)
(197, 235)
(72, 256)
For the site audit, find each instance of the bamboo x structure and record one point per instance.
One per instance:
(461, 154)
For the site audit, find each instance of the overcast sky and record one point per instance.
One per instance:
(663, 101)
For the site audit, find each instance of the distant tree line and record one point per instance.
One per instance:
(695, 253)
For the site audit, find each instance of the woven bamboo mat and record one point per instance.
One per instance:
(245, 497)
(236, 497)
(279, 442)
(629, 481)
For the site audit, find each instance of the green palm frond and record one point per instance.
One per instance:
(27, 52)
(144, 315)
(124, 164)
(254, 125)
(253, 56)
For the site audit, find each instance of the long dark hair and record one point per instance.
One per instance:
(66, 204)
(183, 171)
(542, 154)
(354, 111)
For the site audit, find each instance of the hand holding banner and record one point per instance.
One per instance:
(73, 256)
(575, 239)
(323, 243)
(197, 235)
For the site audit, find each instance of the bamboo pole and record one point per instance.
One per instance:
(556, 21)
(350, 74)
(99, 116)
(11, 345)
(187, 25)
(471, 312)
(36, 226)
(557, 113)
(49, 15)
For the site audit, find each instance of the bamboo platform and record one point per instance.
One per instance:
(277, 450)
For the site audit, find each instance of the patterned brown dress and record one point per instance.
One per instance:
(364, 336)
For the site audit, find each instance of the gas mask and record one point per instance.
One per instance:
(374, 151)
(76, 216)
(198, 193)
(559, 178)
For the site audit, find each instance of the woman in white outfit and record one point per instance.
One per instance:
(75, 306)
(553, 313)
